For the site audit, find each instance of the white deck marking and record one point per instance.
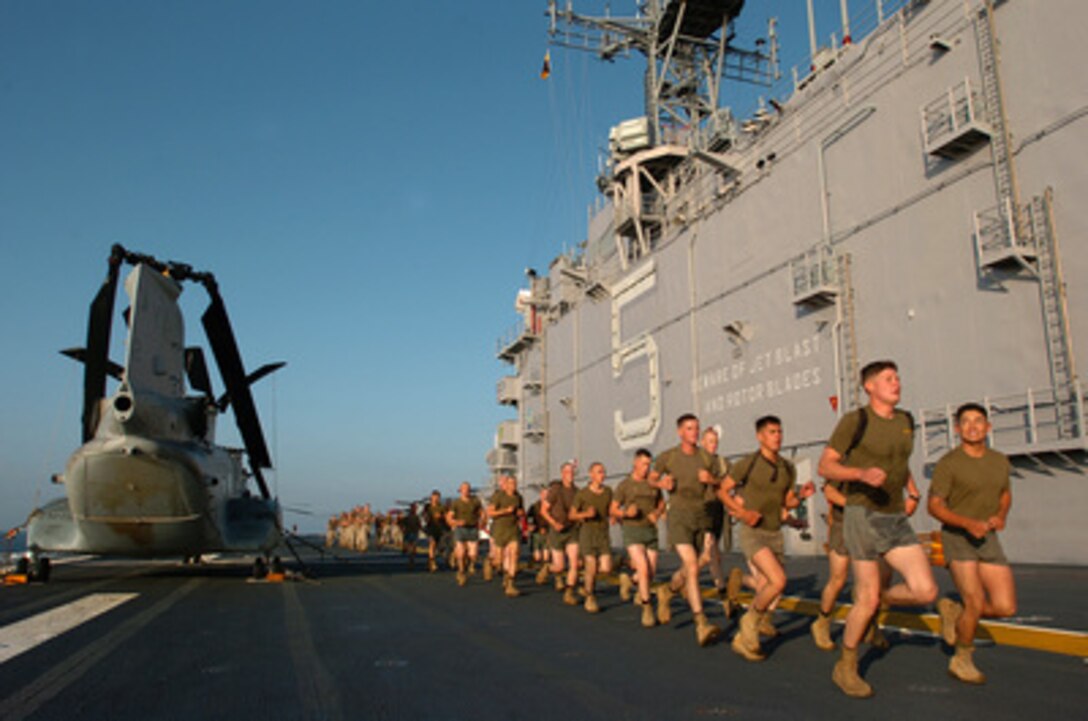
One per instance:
(21, 636)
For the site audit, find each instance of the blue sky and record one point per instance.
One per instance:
(366, 180)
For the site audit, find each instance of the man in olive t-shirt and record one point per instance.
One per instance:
(763, 483)
(970, 496)
(685, 471)
(505, 510)
(876, 472)
(591, 506)
(562, 532)
(638, 506)
(464, 517)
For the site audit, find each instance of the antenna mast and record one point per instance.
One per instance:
(688, 49)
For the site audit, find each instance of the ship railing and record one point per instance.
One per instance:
(508, 434)
(997, 237)
(865, 19)
(1039, 420)
(502, 460)
(955, 122)
(514, 340)
(815, 275)
(508, 390)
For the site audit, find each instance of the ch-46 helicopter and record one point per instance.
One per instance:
(149, 479)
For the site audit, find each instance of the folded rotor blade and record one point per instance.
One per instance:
(225, 348)
(96, 362)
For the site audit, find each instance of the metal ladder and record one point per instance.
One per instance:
(1055, 317)
(851, 383)
(1004, 176)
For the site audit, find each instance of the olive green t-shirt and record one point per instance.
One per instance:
(971, 487)
(764, 488)
(721, 470)
(410, 523)
(561, 500)
(687, 498)
(887, 444)
(468, 511)
(639, 494)
(586, 498)
(436, 514)
(501, 500)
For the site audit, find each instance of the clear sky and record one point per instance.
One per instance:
(367, 181)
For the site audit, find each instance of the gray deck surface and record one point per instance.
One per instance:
(372, 639)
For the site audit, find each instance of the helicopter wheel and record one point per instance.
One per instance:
(42, 568)
(260, 568)
(277, 565)
(22, 566)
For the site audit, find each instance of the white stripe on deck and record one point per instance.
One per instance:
(21, 636)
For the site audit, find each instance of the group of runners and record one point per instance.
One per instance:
(869, 489)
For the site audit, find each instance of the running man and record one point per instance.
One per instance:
(763, 482)
(506, 509)
(465, 517)
(538, 541)
(591, 509)
(720, 526)
(410, 527)
(876, 523)
(562, 533)
(437, 529)
(970, 496)
(685, 471)
(639, 506)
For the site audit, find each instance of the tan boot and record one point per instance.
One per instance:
(962, 666)
(748, 631)
(754, 655)
(591, 604)
(510, 589)
(821, 633)
(733, 586)
(461, 579)
(950, 613)
(542, 576)
(706, 633)
(625, 587)
(569, 597)
(431, 565)
(874, 636)
(766, 626)
(648, 619)
(846, 675)
(560, 584)
(664, 596)
(489, 571)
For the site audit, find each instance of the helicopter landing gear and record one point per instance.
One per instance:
(34, 568)
(260, 568)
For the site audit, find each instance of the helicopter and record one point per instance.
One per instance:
(149, 479)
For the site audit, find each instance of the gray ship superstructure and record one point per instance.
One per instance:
(916, 196)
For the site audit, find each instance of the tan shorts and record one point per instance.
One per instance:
(870, 534)
(753, 540)
(959, 545)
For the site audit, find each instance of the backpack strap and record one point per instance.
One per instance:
(863, 423)
(859, 433)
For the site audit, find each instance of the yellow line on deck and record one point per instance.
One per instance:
(1036, 638)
